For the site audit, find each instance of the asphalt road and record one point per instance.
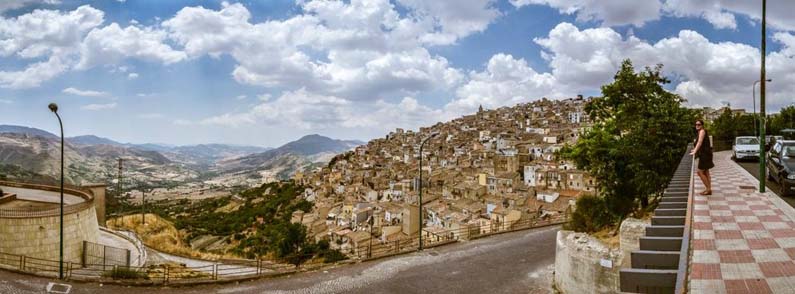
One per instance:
(752, 166)
(517, 262)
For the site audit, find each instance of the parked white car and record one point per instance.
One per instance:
(745, 147)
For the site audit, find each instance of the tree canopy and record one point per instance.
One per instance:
(638, 137)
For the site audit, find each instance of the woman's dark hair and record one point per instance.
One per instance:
(701, 121)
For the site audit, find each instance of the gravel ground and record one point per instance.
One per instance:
(517, 262)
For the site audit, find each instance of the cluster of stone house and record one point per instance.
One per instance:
(491, 168)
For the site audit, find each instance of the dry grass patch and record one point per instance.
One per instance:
(158, 234)
(608, 236)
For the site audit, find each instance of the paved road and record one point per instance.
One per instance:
(753, 168)
(518, 262)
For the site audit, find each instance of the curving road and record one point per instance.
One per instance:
(517, 262)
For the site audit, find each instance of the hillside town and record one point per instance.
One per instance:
(492, 168)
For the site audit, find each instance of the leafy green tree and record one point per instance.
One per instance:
(785, 119)
(638, 137)
(729, 125)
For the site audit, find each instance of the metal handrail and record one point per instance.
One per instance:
(684, 251)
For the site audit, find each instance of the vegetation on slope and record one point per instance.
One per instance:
(256, 223)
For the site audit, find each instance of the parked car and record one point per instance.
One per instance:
(781, 166)
(745, 147)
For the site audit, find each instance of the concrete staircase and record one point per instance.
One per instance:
(660, 266)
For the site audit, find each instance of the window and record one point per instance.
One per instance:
(747, 141)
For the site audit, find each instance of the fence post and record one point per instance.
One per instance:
(103, 257)
(165, 274)
(129, 253)
(259, 266)
(22, 262)
(69, 270)
(215, 271)
(83, 257)
(114, 270)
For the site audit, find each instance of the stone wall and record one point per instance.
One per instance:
(584, 265)
(38, 237)
(629, 237)
(98, 191)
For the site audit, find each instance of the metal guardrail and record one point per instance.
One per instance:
(370, 251)
(684, 251)
(243, 269)
(81, 192)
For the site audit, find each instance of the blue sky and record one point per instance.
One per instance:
(267, 72)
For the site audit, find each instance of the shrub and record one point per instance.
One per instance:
(333, 255)
(590, 215)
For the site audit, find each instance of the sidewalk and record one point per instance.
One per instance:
(743, 241)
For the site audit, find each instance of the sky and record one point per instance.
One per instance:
(268, 72)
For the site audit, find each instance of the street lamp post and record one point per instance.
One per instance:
(54, 108)
(422, 144)
(756, 128)
(762, 177)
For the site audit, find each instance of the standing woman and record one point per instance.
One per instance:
(703, 151)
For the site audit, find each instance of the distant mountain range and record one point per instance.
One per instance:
(296, 155)
(25, 151)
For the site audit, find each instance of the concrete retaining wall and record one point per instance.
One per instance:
(629, 238)
(38, 237)
(584, 265)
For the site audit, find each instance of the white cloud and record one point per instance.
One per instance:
(34, 74)
(112, 44)
(609, 12)
(505, 81)
(97, 107)
(68, 40)
(362, 50)
(43, 34)
(241, 97)
(46, 32)
(582, 60)
(14, 4)
(454, 18)
(6, 101)
(132, 76)
(85, 93)
(304, 110)
(720, 13)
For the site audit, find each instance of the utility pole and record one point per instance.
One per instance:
(143, 206)
(118, 185)
(763, 118)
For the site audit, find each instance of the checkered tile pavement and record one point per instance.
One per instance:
(742, 241)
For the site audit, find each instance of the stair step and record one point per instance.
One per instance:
(647, 280)
(667, 205)
(675, 194)
(667, 220)
(665, 231)
(670, 212)
(645, 259)
(661, 243)
(673, 199)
